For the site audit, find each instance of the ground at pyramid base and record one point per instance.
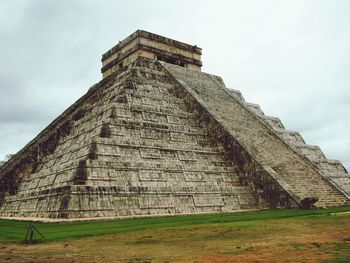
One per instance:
(157, 136)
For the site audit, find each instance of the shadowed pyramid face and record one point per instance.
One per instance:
(156, 137)
(152, 46)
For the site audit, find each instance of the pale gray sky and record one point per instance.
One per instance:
(291, 57)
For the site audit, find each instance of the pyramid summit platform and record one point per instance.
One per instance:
(156, 136)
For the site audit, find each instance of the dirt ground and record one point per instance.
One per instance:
(314, 239)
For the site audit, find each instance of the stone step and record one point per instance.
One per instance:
(236, 93)
(256, 109)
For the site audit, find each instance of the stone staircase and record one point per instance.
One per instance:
(302, 169)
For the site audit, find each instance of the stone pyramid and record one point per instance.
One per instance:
(157, 136)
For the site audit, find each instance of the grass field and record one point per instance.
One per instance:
(277, 235)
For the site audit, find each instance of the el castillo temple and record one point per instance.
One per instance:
(157, 136)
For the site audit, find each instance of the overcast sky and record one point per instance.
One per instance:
(291, 57)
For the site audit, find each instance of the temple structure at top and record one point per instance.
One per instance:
(152, 46)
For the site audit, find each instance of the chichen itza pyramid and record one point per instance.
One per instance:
(156, 136)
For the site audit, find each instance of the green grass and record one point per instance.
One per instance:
(275, 235)
(15, 231)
